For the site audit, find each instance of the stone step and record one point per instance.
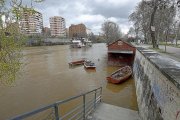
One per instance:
(110, 112)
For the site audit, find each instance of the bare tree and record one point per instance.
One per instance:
(111, 31)
(178, 3)
(92, 37)
(136, 18)
(177, 23)
(140, 18)
(154, 18)
(152, 27)
(131, 32)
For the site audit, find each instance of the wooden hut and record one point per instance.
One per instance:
(120, 53)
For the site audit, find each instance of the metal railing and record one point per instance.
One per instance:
(79, 112)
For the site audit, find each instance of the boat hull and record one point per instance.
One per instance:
(79, 62)
(89, 66)
(114, 80)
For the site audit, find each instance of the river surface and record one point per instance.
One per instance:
(46, 78)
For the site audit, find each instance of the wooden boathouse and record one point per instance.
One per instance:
(120, 53)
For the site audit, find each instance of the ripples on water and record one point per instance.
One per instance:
(47, 78)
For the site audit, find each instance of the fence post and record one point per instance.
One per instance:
(100, 93)
(95, 96)
(84, 106)
(56, 112)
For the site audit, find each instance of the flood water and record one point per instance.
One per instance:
(46, 78)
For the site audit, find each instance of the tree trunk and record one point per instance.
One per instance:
(145, 40)
(177, 34)
(167, 33)
(154, 41)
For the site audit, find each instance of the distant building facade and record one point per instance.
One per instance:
(31, 22)
(57, 26)
(77, 31)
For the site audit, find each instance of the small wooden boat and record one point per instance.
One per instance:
(120, 75)
(77, 62)
(89, 65)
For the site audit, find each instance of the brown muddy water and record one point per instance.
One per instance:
(46, 78)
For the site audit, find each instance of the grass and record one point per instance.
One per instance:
(157, 49)
(160, 50)
(169, 44)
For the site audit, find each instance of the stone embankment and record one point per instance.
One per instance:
(157, 81)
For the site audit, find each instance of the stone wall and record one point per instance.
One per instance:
(157, 81)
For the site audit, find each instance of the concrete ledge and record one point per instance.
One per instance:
(168, 67)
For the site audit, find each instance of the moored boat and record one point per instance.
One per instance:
(120, 75)
(77, 62)
(87, 42)
(89, 65)
(76, 44)
(80, 42)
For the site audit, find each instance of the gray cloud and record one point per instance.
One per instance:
(113, 10)
(90, 12)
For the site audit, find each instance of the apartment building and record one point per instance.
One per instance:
(57, 26)
(77, 31)
(31, 22)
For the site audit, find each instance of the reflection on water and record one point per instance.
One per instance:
(74, 66)
(122, 95)
(90, 70)
(115, 88)
(47, 78)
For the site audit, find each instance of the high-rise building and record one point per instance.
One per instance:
(77, 31)
(57, 26)
(31, 22)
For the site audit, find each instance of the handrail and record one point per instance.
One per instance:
(73, 110)
(56, 104)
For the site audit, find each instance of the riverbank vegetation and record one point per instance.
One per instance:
(11, 40)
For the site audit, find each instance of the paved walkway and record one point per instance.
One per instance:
(171, 52)
(110, 112)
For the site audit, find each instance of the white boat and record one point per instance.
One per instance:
(82, 42)
(86, 42)
(76, 44)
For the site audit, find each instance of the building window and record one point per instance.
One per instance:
(120, 43)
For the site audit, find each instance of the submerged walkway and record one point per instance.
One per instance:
(110, 112)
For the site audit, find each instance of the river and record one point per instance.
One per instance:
(46, 78)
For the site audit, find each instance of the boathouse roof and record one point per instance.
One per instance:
(121, 46)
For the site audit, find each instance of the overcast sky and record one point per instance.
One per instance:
(90, 12)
